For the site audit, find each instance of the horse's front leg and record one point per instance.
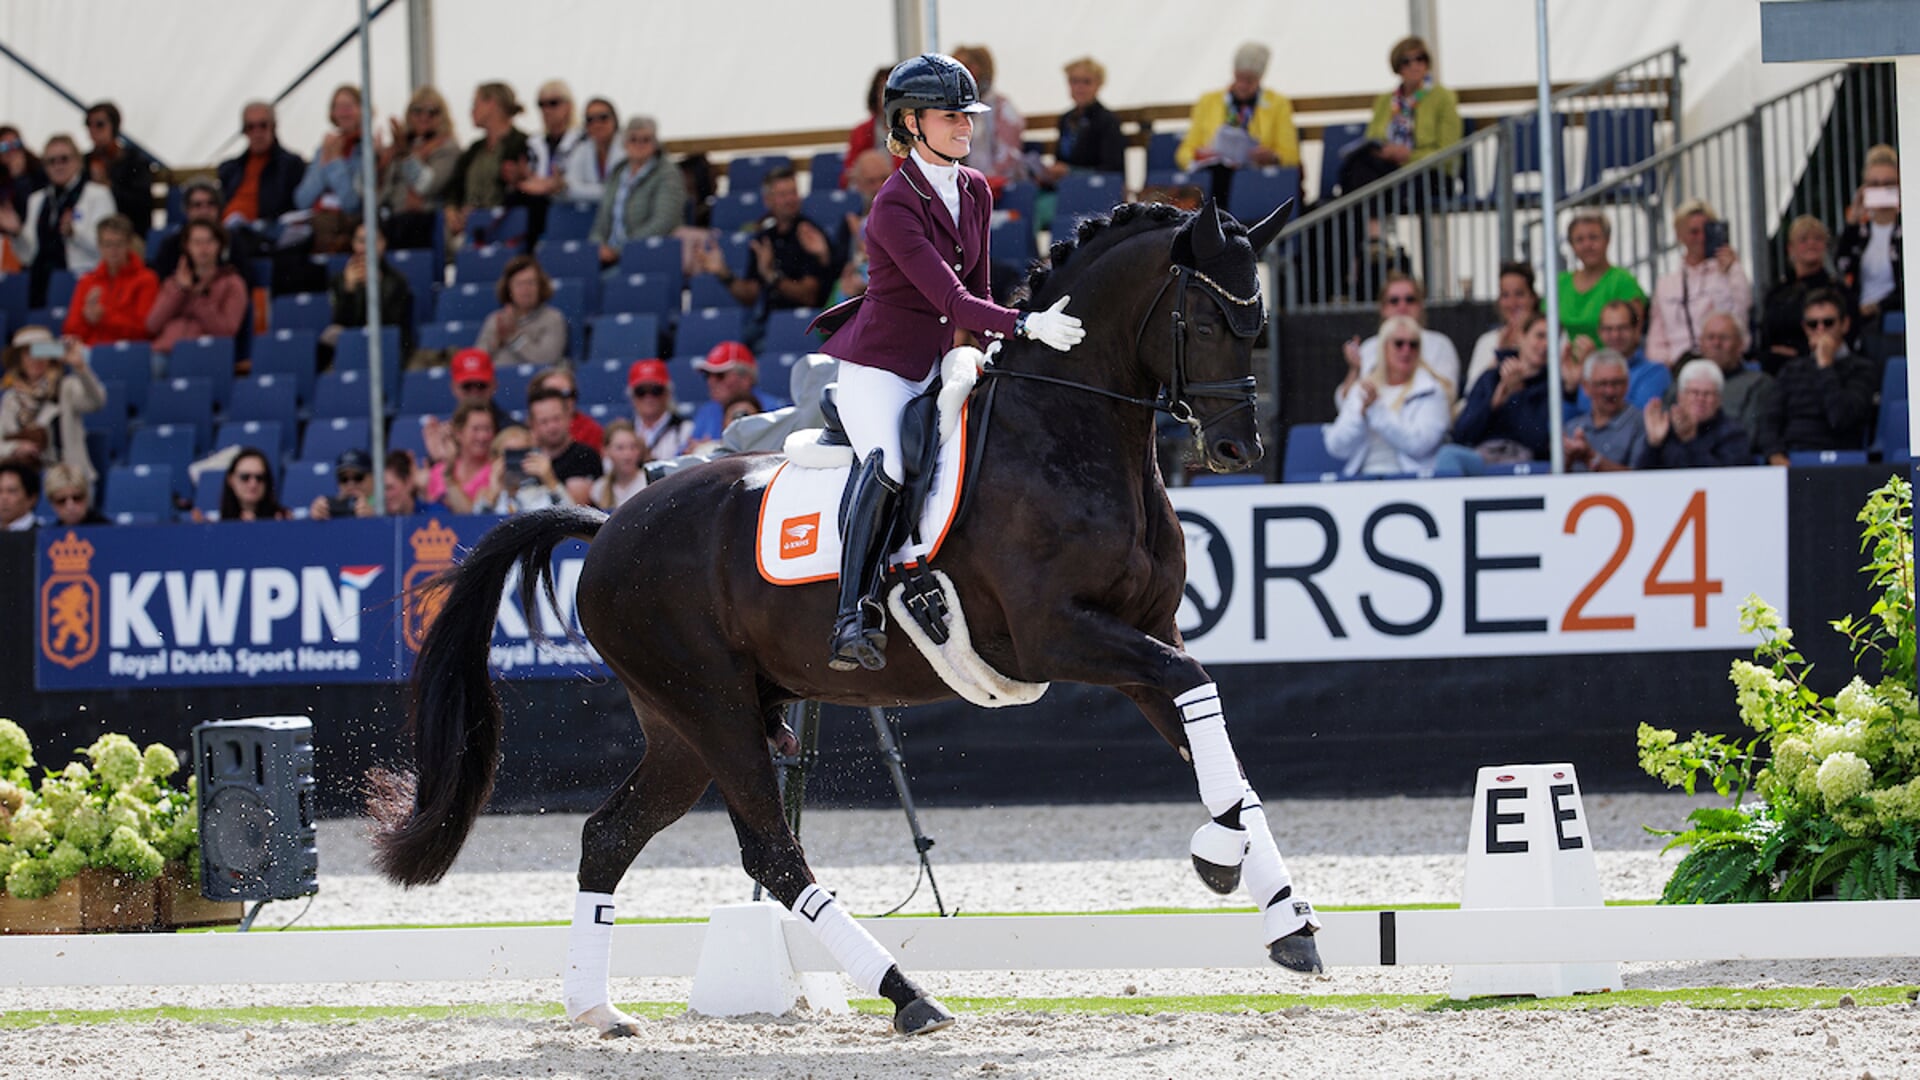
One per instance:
(1182, 703)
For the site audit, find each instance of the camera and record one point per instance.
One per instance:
(1880, 198)
(340, 507)
(1716, 237)
(47, 350)
(516, 460)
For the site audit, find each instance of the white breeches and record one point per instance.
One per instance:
(871, 401)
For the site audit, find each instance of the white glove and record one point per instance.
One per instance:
(1053, 327)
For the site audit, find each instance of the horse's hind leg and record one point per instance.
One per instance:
(669, 778)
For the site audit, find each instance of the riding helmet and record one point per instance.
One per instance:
(928, 81)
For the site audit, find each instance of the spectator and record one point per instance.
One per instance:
(399, 494)
(1869, 252)
(465, 480)
(60, 230)
(514, 485)
(1241, 125)
(19, 492)
(731, 375)
(526, 329)
(259, 184)
(868, 172)
(999, 133)
(558, 462)
(553, 148)
(41, 402)
(349, 295)
(470, 377)
(1595, 282)
(331, 187)
(1706, 281)
(1505, 418)
(1610, 434)
(353, 472)
(71, 495)
(112, 301)
(1746, 394)
(1781, 336)
(1403, 296)
(662, 432)
(1518, 300)
(1695, 433)
(248, 494)
(1620, 331)
(624, 477)
(1824, 400)
(1394, 418)
(120, 166)
(1412, 121)
(480, 175)
(740, 410)
(645, 196)
(205, 297)
(415, 166)
(791, 257)
(871, 133)
(21, 174)
(584, 429)
(596, 156)
(1090, 135)
(200, 197)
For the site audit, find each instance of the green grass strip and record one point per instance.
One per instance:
(1714, 998)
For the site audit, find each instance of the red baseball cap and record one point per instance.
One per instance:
(726, 356)
(648, 372)
(471, 365)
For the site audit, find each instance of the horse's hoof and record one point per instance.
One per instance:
(921, 1016)
(1221, 879)
(610, 1022)
(1297, 952)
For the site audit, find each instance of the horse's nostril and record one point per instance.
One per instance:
(1228, 450)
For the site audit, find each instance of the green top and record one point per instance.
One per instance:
(1580, 311)
(1436, 122)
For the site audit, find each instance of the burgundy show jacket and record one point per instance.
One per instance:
(924, 278)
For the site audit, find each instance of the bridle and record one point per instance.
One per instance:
(1175, 398)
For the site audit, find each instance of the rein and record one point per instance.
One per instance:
(1173, 398)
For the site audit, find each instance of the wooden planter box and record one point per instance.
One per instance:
(104, 901)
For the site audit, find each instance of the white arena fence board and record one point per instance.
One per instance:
(1813, 931)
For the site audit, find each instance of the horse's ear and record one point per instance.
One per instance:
(1262, 234)
(1208, 239)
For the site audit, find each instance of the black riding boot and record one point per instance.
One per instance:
(865, 534)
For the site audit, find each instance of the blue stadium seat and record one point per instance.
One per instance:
(745, 174)
(53, 318)
(129, 363)
(741, 210)
(1893, 322)
(481, 265)
(207, 493)
(60, 288)
(825, 168)
(1525, 134)
(409, 433)
(776, 370)
(1082, 194)
(288, 352)
(604, 382)
(1893, 381)
(110, 419)
(209, 358)
(654, 255)
(1620, 139)
(739, 252)
(468, 301)
(340, 392)
(1894, 445)
(689, 382)
(569, 221)
(708, 291)
(1258, 192)
(570, 258)
(1173, 178)
(702, 329)
(13, 299)
(139, 489)
(654, 294)
(179, 401)
(267, 435)
(510, 382)
(425, 391)
(829, 207)
(266, 397)
(449, 336)
(301, 311)
(499, 225)
(175, 446)
(1307, 456)
(1161, 148)
(1333, 139)
(416, 265)
(1804, 458)
(1012, 241)
(307, 480)
(573, 299)
(350, 353)
(624, 337)
(1017, 201)
(327, 439)
(786, 332)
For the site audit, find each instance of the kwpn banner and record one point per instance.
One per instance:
(430, 545)
(211, 605)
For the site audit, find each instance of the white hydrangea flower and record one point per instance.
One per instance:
(1842, 776)
(1830, 739)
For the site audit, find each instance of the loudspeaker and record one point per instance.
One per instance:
(256, 808)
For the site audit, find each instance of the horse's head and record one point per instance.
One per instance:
(1217, 311)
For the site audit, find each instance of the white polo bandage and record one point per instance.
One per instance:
(1269, 886)
(1214, 765)
(861, 957)
(589, 951)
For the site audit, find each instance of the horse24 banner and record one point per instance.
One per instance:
(1495, 566)
(203, 605)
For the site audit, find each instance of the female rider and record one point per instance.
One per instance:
(927, 249)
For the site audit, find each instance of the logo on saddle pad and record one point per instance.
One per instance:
(799, 536)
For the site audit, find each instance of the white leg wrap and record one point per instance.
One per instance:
(1268, 884)
(861, 957)
(1214, 765)
(589, 951)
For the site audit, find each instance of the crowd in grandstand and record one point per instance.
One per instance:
(564, 303)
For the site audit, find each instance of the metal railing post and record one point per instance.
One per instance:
(1503, 187)
(1759, 207)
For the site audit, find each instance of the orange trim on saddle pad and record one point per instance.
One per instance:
(801, 534)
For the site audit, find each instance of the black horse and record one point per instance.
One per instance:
(1068, 561)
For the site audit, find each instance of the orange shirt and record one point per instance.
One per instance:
(125, 298)
(246, 197)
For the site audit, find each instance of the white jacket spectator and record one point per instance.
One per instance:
(1394, 418)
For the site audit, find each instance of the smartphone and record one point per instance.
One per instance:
(1880, 198)
(339, 507)
(47, 350)
(1501, 356)
(1716, 237)
(516, 461)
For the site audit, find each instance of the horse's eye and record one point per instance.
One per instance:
(1204, 330)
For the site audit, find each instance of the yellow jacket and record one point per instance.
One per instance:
(1436, 121)
(1272, 126)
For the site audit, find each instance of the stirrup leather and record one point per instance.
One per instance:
(925, 600)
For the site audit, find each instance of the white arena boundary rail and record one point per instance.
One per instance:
(1775, 931)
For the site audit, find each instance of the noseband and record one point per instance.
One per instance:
(1175, 398)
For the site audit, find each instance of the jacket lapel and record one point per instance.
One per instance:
(934, 207)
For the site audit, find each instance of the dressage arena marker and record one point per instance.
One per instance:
(1770, 931)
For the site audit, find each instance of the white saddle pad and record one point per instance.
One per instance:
(798, 539)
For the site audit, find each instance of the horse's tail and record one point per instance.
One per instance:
(422, 817)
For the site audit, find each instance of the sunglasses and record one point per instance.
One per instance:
(1400, 301)
(475, 387)
(1827, 323)
(98, 122)
(599, 118)
(551, 103)
(249, 478)
(351, 477)
(7, 146)
(1416, 58)
(424, 110)
(65, 497)
(712, 375)
(648, 391)
(1402, 344)
(58, 159)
